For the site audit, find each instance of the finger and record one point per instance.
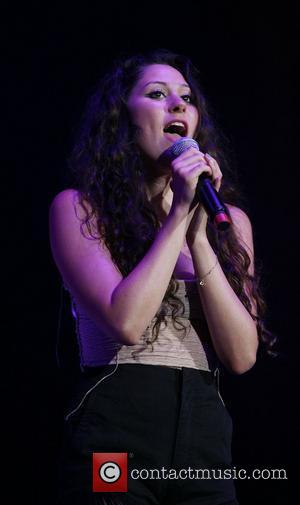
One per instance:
(190, 162)
(195, 170)
(213, 163)
(195, 174)
(216, 171)
(210, 158)
(217, 183)
(190, 150)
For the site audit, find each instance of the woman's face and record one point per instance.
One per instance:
(159, 99)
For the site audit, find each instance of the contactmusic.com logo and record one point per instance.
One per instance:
(110, 471)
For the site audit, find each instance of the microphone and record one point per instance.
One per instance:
(205, 191)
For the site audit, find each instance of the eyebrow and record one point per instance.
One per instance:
(164, 83)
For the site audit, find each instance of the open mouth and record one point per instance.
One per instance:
(176, 128)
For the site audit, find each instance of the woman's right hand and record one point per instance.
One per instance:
(186, 169)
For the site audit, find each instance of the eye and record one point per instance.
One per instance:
(156, 94)
(188, 98)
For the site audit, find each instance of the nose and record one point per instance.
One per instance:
(177, 105)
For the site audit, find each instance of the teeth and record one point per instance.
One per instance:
(176, 124)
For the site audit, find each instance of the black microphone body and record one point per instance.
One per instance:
(205, 191)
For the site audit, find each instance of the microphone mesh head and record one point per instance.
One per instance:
(180, 146)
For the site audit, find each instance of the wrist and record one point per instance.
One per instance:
(202, 280)
(178, 214)
(199, 242)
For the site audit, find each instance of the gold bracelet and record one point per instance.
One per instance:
(201, 281)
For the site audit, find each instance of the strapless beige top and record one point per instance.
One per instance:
(172, 348)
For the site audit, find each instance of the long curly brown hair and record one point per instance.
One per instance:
(109, 174)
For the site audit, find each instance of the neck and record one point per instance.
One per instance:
(160, 195)
(158, 188)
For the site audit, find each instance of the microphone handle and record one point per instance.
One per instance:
(213, 205)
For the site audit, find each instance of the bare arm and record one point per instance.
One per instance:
(232, 329)
(122, 306)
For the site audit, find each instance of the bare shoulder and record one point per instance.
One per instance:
(69, 200)
(241, 221)
(67, 195)
(68, 207)
(239, 216)
(71, 239)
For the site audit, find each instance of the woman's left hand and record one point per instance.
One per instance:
(196, 229)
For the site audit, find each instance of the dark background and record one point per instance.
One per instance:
(53, 56)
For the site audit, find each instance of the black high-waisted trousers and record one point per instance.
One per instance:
(163, 418)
